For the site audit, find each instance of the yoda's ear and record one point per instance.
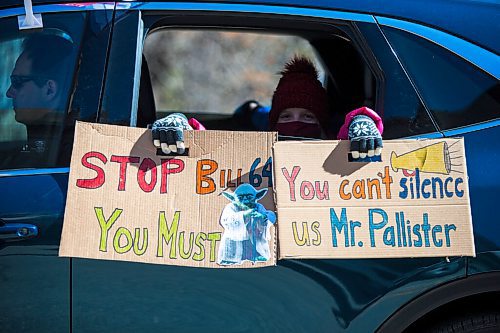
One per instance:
(260, 194)
(229, 196)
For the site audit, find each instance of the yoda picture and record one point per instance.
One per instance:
(246, 226)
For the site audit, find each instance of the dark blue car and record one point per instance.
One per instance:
(430, 69)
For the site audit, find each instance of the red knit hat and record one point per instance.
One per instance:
(299, 87)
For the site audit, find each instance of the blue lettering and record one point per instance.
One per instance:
(447, 228)
(404, 193)
(416, 232)
(256, 180)
(417, 182)
(435, 230)
(448, 194)
(425, 228)
(375, 226)
(267, 171)
(354, 224)
(389, 236)
(459, 193)
(425, 183)
(437, 180)
(339, 225)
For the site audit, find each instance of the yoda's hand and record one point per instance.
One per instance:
(168, 133)
(252, 213)
(365, 137)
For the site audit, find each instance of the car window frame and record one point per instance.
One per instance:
(56, 9)
(475, 55)
(331, 18)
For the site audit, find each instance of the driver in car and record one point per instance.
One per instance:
(38, 90)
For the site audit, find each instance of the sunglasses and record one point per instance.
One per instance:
(17, 81)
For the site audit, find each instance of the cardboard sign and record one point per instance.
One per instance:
(415, 203)
(126, 203)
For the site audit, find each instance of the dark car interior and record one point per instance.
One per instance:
(349, 82)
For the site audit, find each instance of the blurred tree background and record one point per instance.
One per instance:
(216, 71)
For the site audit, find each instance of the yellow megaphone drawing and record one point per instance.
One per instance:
(434, 158)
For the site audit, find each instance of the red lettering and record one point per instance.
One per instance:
(165, 171)
(322, 194)
(124, 160)
(147, 164)
(306, 185)
(99, 178)
(291, 180)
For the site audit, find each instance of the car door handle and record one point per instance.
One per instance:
(17, 231)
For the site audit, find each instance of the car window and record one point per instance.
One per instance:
(36, 77)
(456, 92)
(10, 129)
(37, 119)
(219, 71)
(402, 111)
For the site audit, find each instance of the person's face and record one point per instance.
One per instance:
(30, 101)
(297, 114)
(299, 122)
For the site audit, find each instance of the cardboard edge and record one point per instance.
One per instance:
(230, 135)
(79, 126)
(82, 129)
(470, 253)
(471, 224)
(330, 142)
(372, 257)
(274, 138)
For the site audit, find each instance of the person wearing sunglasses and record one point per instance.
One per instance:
(38, 90)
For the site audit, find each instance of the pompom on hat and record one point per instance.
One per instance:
(299, 87)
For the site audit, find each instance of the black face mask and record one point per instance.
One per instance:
(298, 128)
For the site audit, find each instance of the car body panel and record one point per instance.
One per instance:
(479, 27)
(42, 292)
(35, 283)
(34, 280)
(484, 180)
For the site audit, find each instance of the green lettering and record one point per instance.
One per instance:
(116, 241)
(140, 251)
(185, 255)
(213, 237)
(167, 234)
(105, 225)
(199, 238)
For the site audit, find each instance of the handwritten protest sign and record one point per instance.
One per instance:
(215, 207)
(414, 203)
(212, 208)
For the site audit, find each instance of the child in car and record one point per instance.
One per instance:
(299, 109)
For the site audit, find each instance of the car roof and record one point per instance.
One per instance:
(475, 21)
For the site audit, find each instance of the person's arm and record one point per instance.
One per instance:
(168, 133)
(364, 128)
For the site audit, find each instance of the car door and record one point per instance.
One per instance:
(295, 295)
(35, 284)
(459, 82)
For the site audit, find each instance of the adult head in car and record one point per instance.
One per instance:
(38, 89)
